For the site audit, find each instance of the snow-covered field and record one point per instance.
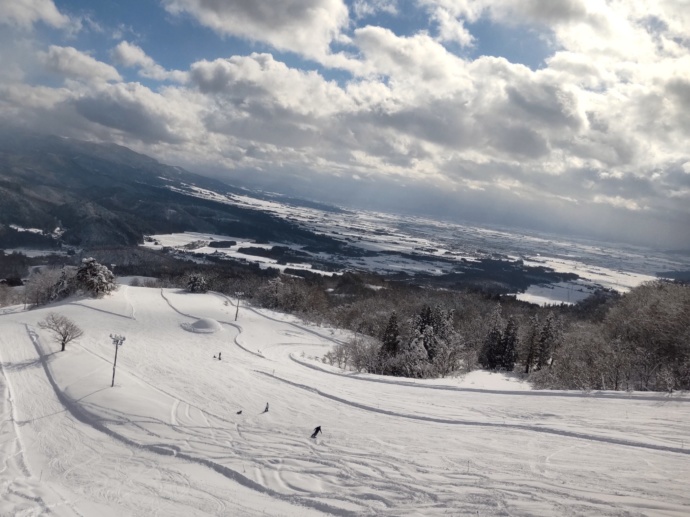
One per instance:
(414, 244)
(168, 440)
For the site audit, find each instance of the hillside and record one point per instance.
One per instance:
(108, 195)
(168, 439)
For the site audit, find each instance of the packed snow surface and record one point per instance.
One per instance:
(203, 326)
(184, 434)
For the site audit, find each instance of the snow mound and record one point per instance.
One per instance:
(202, 326)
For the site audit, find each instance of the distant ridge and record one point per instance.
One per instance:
(106, 194)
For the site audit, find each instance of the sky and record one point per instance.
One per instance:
(571, 116)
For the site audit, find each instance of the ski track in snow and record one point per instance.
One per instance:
(230, 324)
(528, 428)
(170, 426)
(87, 418)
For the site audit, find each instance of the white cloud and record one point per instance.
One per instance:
(514, 11)
(364, 8)
(130, 55)
(260, 78)
(417, 60)
(602, 127)
(25, 13)
(73, 64)
(303, 26)
(135, 111)
(618, 201)
(450, 28)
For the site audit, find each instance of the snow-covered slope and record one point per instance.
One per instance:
(168, 440)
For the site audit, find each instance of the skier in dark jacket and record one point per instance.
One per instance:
(317, 430)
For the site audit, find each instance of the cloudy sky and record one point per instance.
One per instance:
(564, 115)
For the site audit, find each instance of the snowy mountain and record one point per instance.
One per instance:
(169, 438)
(108, 195)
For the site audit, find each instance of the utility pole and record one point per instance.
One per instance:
(238, 294)
(117, 341)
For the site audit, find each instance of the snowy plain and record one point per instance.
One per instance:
(168, 440)
(414, 244)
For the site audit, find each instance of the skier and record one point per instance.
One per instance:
(317, 430)
(219, 356)
(239, 412)
(266, 410)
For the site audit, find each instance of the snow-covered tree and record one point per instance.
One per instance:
(390, 347)
(490, 355)
(197, 283)
(65, 285)
(95, 278)
(529, 343)
(413, 359)
(48, 285)
(446, 346)
(509, 344)
(652, 322)
(424, 331)
(38, 288)
(549, 339)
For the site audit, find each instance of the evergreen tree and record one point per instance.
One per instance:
(446, 346)
(64, 286)
(490, 356)
(413, 361)
(531, 343)
(197, 283)
(390, 346)
(509, 344)
(549, 339)
(95, 278)
(424, 330)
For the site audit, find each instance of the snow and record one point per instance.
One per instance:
(168, 439)
(179, 241)
(37, 231)
(32, 253)
(203, 326)
(561, 292)
(127, 280)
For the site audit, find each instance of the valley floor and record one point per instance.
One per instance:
(168, 440)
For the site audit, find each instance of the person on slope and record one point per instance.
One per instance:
(266, 410)
(317, 430)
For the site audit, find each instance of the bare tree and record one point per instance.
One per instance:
(63, 328)
(7, 296)
(39, 287)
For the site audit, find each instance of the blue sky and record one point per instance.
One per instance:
(175, 42)
(570, 115)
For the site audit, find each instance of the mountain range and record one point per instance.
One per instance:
(107, 195)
